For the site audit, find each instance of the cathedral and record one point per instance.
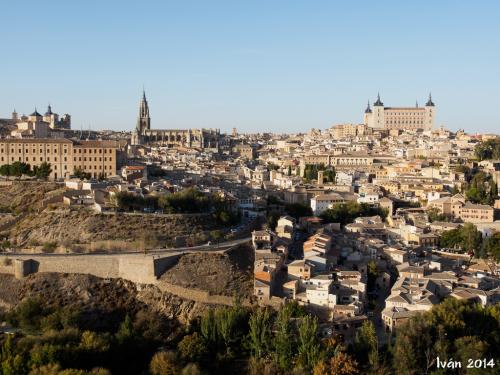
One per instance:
(196, 138)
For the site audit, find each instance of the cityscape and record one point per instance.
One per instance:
(367, 246)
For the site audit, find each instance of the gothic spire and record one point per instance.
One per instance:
(378, 103)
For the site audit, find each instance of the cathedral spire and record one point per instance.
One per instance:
(143, 121)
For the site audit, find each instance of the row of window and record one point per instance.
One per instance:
(27, 151)
(55, 159)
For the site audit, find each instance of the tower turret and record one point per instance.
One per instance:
(378, 115)
(430, 114)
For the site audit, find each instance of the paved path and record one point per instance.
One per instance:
(223, 246)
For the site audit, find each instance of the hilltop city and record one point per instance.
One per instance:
(365, 227)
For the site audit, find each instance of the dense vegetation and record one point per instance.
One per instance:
(346, 213)
(53, 340)
(453, 329)
(311, 172)
(239, 340)
(186, 201)
(489, 149)
(467, 238)
(481, 189)
(18, 169)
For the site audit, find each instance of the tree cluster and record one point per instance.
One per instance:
(467, 238)
(488, 150)
(186, 201)
(452, 329)
(347, 212)
(18, 169)
(311, 172)
(68, 341)
(482, 189)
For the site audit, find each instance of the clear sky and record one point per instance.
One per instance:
(282, 66)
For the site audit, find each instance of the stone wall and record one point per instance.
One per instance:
(138, 268)
(198, 295)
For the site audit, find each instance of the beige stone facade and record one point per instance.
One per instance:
(402, 118)
(99, 158)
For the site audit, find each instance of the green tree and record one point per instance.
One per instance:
(229, 323)
(42, 171)
(471, 237)
(216, 235)
(413, 353)
(192, 348)
(18, 169)
(472, 348)
(339, 364)
(272, 219)
(164, 363)
(260, 332)
(366, 345)
(491, 246)
(284, 338)
(489, 149)
(372, 274)
(208, 328)
(126, 330)
(5, 170)
(347, 212)
(10, 362)
(309, 347)
(81, 174)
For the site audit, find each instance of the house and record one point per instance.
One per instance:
(285, 227)
(262, 239)
(477, 213)
(301, 269)
(290, 289)
(457, 207)
(395, 317)
(78, 198)
(398, 256)
(323, 202)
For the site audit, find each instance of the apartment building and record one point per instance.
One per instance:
(99, 158)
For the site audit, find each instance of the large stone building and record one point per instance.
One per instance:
(144, 135)
(403, 118)
(99, 158)
(37, 125)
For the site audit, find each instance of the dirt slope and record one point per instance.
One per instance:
(222, 274)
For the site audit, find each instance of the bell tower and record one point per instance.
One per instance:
(143, 121)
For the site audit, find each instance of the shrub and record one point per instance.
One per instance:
(49, 247)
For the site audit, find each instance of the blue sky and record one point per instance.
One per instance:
(282, 66)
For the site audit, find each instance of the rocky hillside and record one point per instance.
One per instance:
(97, 298)
(222, 274)
(24, 196)
(83, 226)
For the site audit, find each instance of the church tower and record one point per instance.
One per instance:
(143, 121)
